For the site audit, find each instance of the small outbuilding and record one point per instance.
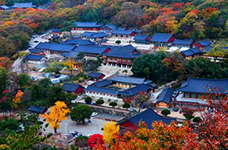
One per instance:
(164, 98)
(73, 88)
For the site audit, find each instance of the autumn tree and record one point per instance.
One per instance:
(17, 99)
(162, 136)
(212, 129)
(69, 64)
(217, 52)
(110, 129)
(3, 80)
(56, 115)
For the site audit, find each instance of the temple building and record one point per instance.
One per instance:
(55, 48)
(121, 56)
(128, 82)
(87, 26)
(162, 39)
(194, 91)
(148, 116)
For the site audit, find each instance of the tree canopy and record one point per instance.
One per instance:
(81, 112)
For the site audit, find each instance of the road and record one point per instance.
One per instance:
(17, 65)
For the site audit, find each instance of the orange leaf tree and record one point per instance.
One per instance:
(17, 98)
(56, 115)
(162, 136)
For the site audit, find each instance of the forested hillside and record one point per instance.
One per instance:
(196, 19)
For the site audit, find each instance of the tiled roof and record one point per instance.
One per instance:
(122, 32)
(94, 34)
(111, 26)
(138, 31)
(56, 30)
(196, 50)
(36, 51)
(34, 57)
(55, 47)
(23, 5)
(87, 34)
(123, 52)
(70, 87)
(127, 79)
(141, 37)
(93, 49)
(4, 6)
(102, 41)
(165, 95)
(148, 116)
(192, 51)
(99, 35)
(197, 85)
(102, 83)
(87, 24)
(136, 90)
(182, 42)
(208, 48)
(103, 90)
(188, 53)
(78, 42)
(95, 74)
(70, 54)
(205, 42)
(161, 37)
(36, 109)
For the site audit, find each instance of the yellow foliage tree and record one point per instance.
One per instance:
(56, 115)
(17, 98)
(110, 129)
(69, 64)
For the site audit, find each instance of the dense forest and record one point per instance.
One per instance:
(196, 19)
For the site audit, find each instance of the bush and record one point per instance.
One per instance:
(113, 104)
(118, 42)
(196, 119)
(126, 105)
(100, 102)
(81, 141)
(88, 99)
(165, 112)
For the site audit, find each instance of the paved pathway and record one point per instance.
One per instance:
(90, 128)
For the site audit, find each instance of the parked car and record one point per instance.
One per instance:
(78, 135)
(175, 109)
(34, 78)
(93, 103)
(21, 128)
(57, 75)
(75, 134)
(94, 114)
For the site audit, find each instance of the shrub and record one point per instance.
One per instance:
(165, 112)
(113, 104)
(88, 99)
(118, 42)
(126, 105)
(100, 102)
(196, 119)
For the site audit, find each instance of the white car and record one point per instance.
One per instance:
(89, 135)
(94, 114)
